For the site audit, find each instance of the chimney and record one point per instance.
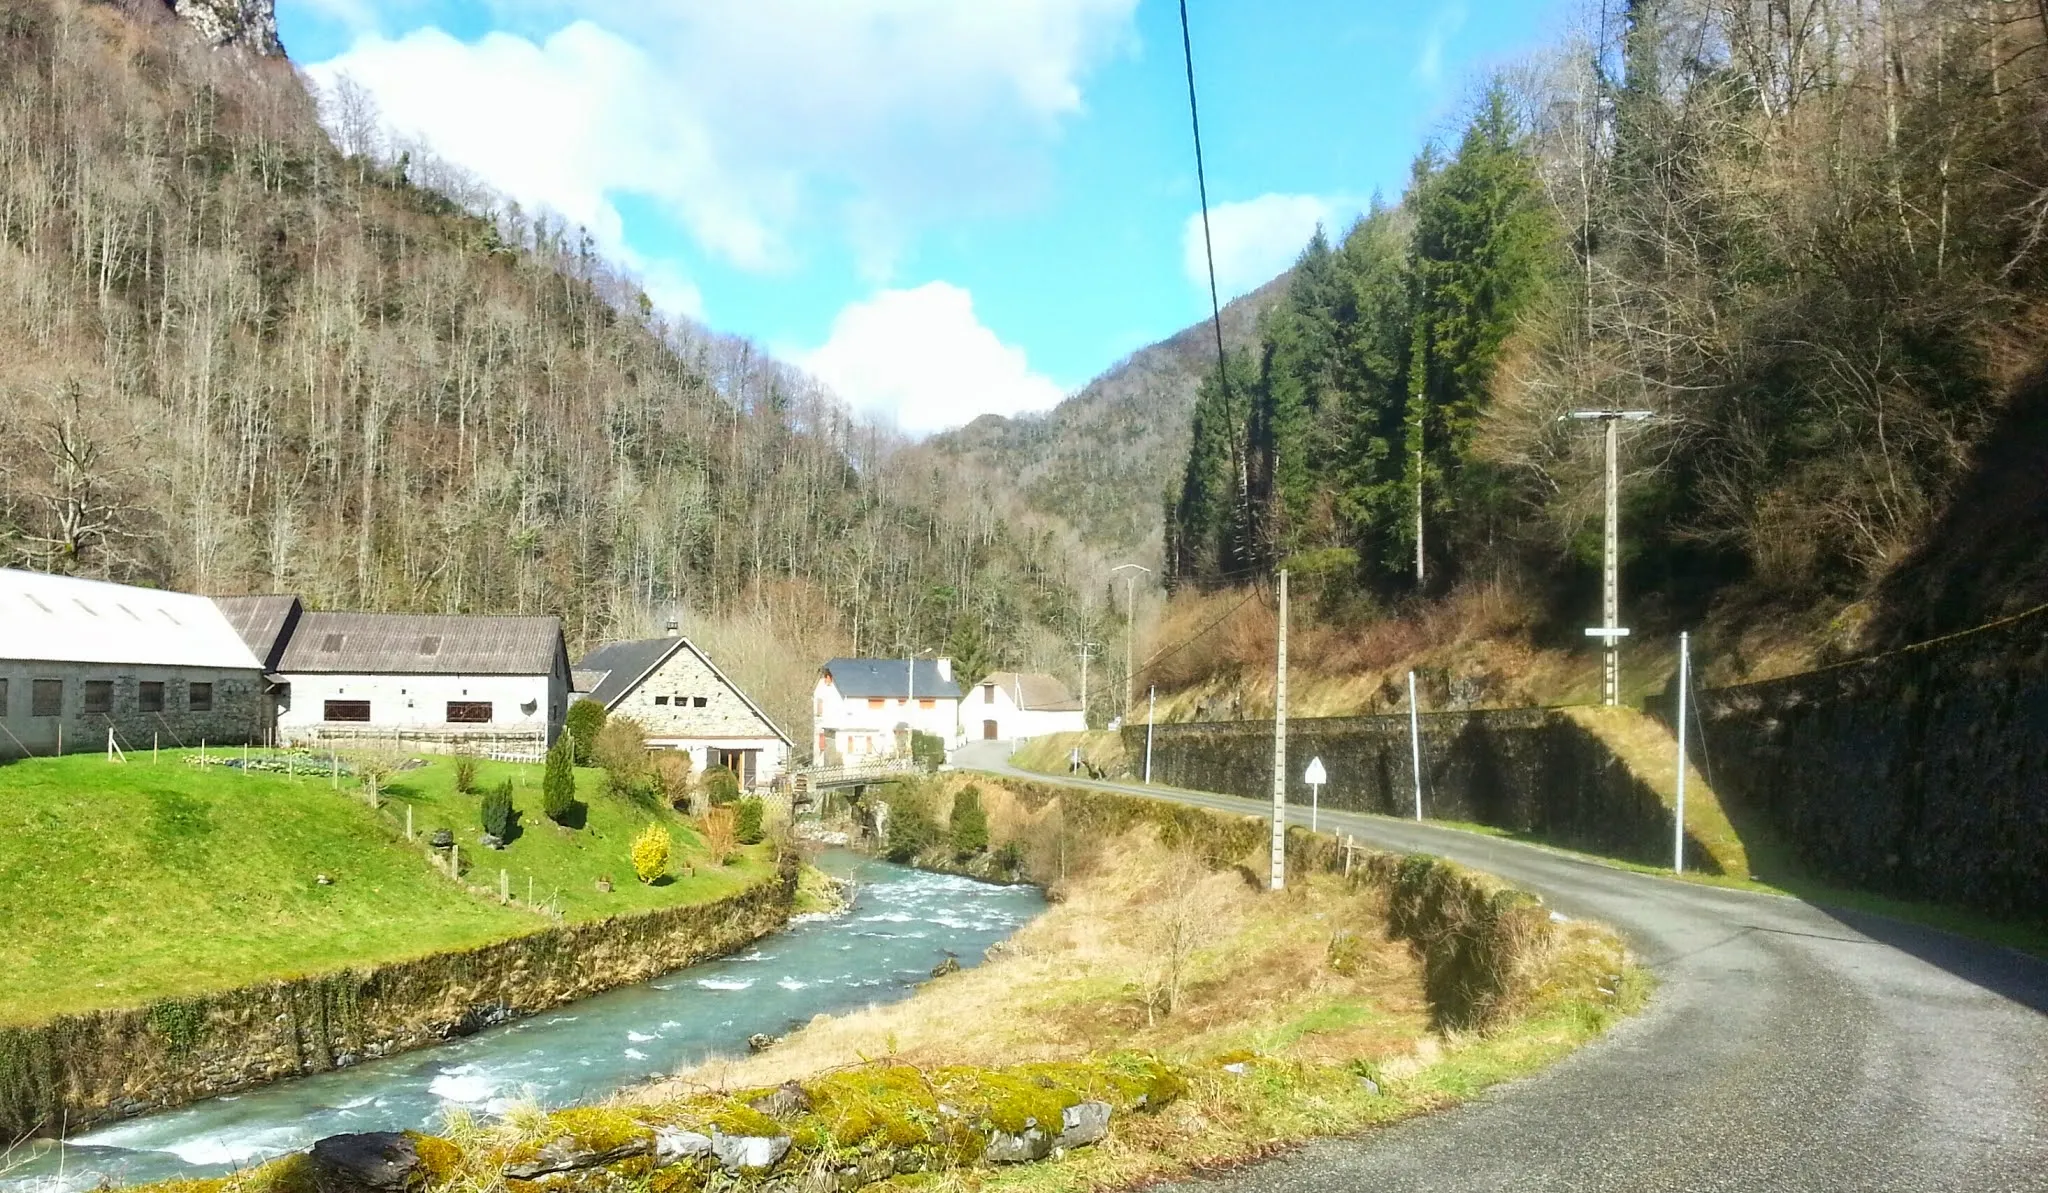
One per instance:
(946, 669)
(674, 630)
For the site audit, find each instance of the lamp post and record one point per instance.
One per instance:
(1609, 630)
(1130, 625)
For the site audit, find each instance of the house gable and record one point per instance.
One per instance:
(684, 695)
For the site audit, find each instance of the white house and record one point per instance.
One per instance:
(1012, 706)
(686, 703)
(436, 681)
(81, 657)
(864, 709)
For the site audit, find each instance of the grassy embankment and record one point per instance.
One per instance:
(123, 883)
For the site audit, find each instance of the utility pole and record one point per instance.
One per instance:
(1130, 628)
(1151, 709)
(1415, 743)
(1684, 682)
(1418, 519)
(1279, 879)
(1085, 648)
(1609, 630)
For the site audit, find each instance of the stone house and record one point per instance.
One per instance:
(686, 703)
(1013, 706)
(865, 709)
(494, 685)
(79, 658)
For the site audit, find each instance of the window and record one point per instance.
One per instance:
(149, 695)
(199, 698)
(876, 703)
(99, 695)
(46, 698)
(88, 608)
(700, 702)
(331, 643)
(927, 704)
(3, 698)
(661, 700)
(431, 644)
(466, 712)
(988, 693)
(346, 710)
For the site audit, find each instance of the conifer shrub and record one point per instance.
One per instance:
(650, 853)
(911, 831)
(928, 750)
(749, 827)
(586, 718)
(496, 811)
(970, 823)
(721, 787)
(558, 783)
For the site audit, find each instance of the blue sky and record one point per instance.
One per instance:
(941, 207)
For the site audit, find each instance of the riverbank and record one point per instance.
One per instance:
(1165, 1015)
(201, 930)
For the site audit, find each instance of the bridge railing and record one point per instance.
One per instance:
(820, 777)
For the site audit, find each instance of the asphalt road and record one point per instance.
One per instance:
(1787, 1048)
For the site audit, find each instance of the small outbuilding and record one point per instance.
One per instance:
(1015, 705)
(686, 703)
(81, 658)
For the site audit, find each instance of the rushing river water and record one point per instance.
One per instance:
(902, 923)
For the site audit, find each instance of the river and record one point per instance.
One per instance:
(903, 922)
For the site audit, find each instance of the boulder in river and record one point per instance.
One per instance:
(761, 1041)
(950, 965)
(369, 1162)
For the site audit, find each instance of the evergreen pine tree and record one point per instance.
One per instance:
(558, 782)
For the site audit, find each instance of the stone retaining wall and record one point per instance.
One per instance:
(1524, 770)
(77, 1070)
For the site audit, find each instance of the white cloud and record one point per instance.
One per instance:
(753, 124)
(1258, 238)
(1429, 64)
(922, 358)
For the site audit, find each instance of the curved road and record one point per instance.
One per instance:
(1787, 1047)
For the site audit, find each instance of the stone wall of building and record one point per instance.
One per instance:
(240, 712)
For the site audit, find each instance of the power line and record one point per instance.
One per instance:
(1187, 49)
(1159, 657)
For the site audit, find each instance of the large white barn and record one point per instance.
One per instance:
(80, 658)
(434, 681)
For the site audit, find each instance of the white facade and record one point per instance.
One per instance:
(991, 712)
(855, 720)
(522, 709)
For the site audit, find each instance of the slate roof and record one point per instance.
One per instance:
(422, 644)
(1034, 692)
(869, 679)
(619, 667)
(264, 622)
(63, 619)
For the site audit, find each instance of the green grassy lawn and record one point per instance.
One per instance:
(122, 883)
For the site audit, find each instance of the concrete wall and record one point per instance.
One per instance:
(240, 712)
(1922, 773)
(1524, 770)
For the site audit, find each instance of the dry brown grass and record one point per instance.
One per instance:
(1157, 953)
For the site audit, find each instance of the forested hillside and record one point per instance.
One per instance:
(1808, 237)
(237, 360)
(1099, 461)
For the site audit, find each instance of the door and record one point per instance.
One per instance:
(988, 731)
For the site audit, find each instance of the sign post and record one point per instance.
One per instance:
(1315, 777)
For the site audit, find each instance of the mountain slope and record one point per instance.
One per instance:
(1101, 461)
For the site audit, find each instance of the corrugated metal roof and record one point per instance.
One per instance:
(884, 678)
(1034, 692)
(264, 622)
(621, 666)
(422, 644)
(62, 619)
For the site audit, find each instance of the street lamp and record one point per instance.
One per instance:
(1609, 630)
(1130, 624)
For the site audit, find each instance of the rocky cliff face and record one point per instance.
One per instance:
(248, 23)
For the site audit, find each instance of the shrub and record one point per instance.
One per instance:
(558, 783)
(672, 775)
(748, 828)
(496, 811)
(911, 831)
(928, 750)
(650, 853)
(718, 829)
(586, 718)
(721, 787)
(621, 749)
(970, 823)
(465, 775)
